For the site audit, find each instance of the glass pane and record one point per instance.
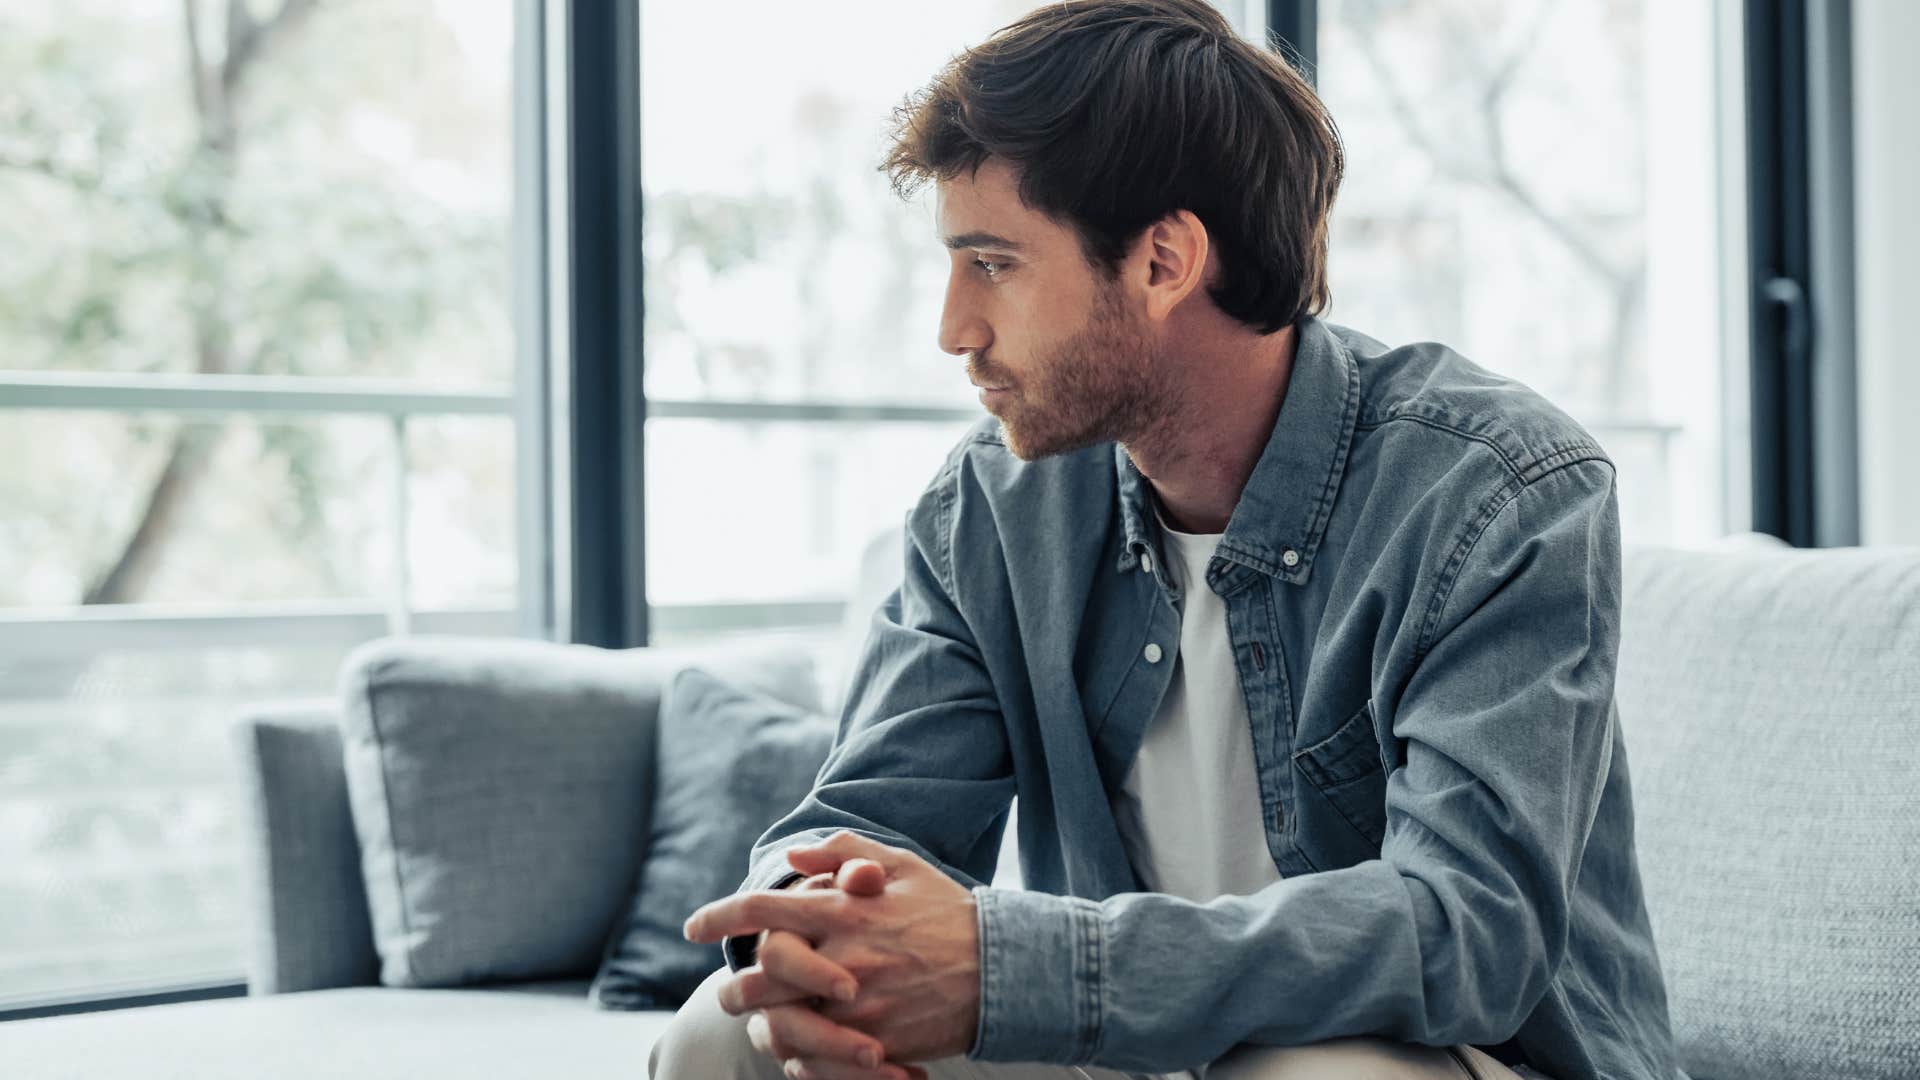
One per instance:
(337, 202)
(1534, 184)
(777, 512)
(119, 847)
(778, 263)
(460, 516)
(110, 508)
(115, 508)
(321, 194)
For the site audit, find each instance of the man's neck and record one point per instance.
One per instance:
(1198, 458)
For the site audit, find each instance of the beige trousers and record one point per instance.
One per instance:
(704, 1043)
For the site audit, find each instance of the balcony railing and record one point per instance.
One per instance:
(67, 630)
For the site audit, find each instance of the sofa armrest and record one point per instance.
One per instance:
(308, 927)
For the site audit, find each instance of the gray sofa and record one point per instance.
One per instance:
(1770, 699)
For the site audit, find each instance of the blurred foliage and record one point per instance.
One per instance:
(309, 210)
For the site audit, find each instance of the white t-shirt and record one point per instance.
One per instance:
(1189, 811)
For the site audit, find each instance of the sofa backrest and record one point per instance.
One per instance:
(1770, 701)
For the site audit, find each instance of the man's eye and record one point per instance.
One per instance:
(991, 269)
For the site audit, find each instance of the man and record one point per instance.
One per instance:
(1298, 650)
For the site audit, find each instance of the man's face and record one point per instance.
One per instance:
(1069, 359)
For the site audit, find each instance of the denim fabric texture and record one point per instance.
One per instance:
(1422, 580)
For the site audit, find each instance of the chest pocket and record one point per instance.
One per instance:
(1345, 768)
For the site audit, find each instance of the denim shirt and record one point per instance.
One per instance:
(1422, 583)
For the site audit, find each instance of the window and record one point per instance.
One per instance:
(799, 403)
(256, 409)
(1537, 184)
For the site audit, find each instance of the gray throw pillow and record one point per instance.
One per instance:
(496, 789)
(730, 763)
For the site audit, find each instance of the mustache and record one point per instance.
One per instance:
(980, 373)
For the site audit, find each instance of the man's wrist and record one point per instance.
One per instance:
(743, 950)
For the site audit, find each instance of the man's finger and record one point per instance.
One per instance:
(757, 986)
(807, 912)
(752, 988)
(795, 1031)
(791, 959)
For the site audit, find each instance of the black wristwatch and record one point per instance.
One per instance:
(741, 950)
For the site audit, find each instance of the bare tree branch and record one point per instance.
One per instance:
(45, 165)
(1504, 178)
(196, 60)
(248, 37)
(129, 576)
(1499, 176)
(1495, 172)
(1500, 79)
(190, 450)
(241, 29)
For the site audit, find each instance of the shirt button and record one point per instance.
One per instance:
(1290, 557)
(1153, 653)
(1146, 561)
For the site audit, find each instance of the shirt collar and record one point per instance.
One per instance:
(1277, 525)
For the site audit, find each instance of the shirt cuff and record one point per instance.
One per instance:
(742, 950)
(1041, 961)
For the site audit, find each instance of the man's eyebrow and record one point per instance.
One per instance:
(980, 240)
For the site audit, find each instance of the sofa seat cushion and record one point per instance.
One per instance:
(526, 1030)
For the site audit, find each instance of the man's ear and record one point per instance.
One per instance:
(1176, 250)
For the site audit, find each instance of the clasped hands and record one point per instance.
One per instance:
(870, 963)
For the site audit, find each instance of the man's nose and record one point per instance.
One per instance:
(962, 330)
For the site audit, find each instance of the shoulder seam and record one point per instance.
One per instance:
(1502, 497)
(1524, 470)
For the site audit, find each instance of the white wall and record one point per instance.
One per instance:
(1886, 88)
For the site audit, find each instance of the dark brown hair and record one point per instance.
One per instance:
(1115, 113)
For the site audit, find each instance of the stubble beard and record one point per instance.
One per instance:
(1104, 383)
